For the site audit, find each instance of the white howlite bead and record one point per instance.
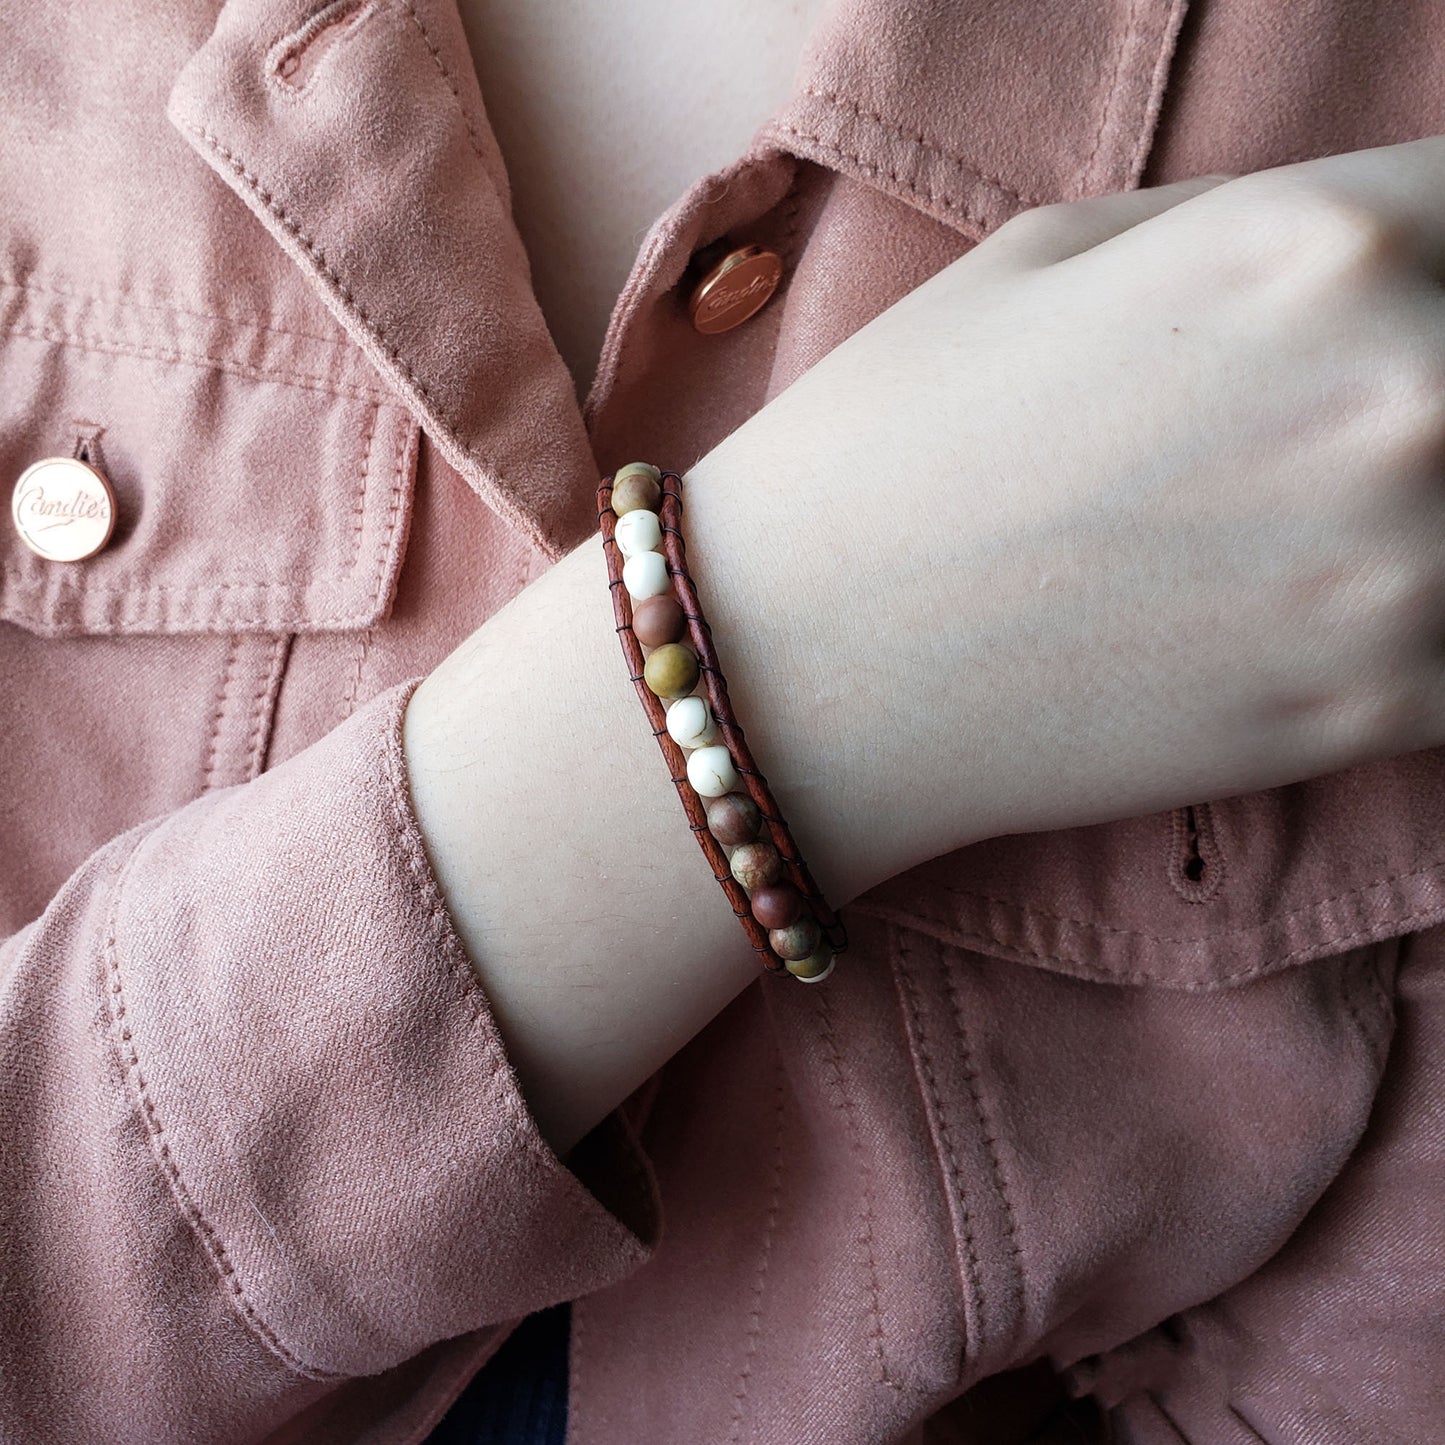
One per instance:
(639, 531)
(690, 722)
(711, 771)
(645, 575)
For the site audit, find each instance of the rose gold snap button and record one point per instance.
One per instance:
(63, 508)
(735, 289)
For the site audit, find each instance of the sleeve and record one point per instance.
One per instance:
(260, 1133)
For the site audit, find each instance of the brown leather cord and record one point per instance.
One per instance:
(700, 634)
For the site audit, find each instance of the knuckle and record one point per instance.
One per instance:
(1315, 230)
(1385, 698)
(1395, 405)
(1337, 234)
(1413, 392)
(1405, 605)
(1039, 222)
(1380, 719)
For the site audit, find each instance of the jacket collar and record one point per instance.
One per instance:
(974, 111)
(358, 137)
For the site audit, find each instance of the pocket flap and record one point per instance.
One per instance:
(248, 498)
(1198, 898)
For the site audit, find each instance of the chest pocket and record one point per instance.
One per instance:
(257, 497)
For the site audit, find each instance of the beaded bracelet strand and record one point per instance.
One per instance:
(769, 886)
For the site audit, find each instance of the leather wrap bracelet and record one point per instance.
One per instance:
(724, 793)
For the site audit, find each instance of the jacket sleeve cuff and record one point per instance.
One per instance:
(324, 1081)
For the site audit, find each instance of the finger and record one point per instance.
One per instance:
(1055, 232)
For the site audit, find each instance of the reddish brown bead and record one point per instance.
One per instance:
(777, 905)
(797, 940)
(756, 865)
(659, 619)
(733, 818)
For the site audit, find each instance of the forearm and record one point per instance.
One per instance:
(591, 915)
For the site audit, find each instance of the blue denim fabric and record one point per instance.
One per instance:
(519, 1397)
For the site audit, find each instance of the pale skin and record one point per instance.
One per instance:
(1182, 455)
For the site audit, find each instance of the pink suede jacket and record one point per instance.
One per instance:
(1132, 1129)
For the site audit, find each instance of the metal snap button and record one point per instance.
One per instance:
(63, 509)
(737, 288)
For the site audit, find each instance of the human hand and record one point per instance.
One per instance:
(1138, 503)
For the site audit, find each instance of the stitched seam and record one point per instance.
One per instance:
(127, 299)
(410, 7)
(441, 418)
(1347, 994)
(1109, 101)
(1190, 890)
(1216, 860)
(865, 1173)
(206, 362)
(191, 588)
(1383, 1001)
(791, 206)
(1078, 968)
(213, 749)
(269, 684)
(968, 1267)
(755, 1317)
(990, 1139)
(142, 618)
(575, 1376)
(353, 688)
(1158, 80)
(1375, 1014)
(923, 141)
(1093, 926)
(358, 511)
(458, 965)
(933, 197)
(160, 1147)
(393, 516)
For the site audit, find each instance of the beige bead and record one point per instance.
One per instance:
(638, 531)
(636, 469)
(645, 575)
(671, 671)
(755, 865)
(711, 771)
(690, 723)
(813, 969)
